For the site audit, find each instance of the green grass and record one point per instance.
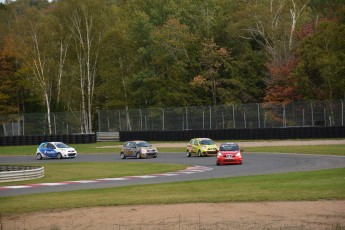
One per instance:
(317, 185)
(338, 150)
(71, 171)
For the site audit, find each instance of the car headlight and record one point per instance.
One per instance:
(143, 150)
(203, 147)
(238, 154)
(219, 154)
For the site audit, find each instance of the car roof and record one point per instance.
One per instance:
(136, 141)
(228, 143)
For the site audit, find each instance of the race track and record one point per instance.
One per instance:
(196, 169)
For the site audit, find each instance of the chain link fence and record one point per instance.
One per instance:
(239, 116)
(296, 114)
(37, 124)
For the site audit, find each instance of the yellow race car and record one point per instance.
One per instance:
(202, 147)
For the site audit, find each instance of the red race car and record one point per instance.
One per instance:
(229, 153)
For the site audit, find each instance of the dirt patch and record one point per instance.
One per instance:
(263, 215)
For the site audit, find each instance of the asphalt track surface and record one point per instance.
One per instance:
(197, 168)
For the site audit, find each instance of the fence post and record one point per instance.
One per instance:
(141, 120)
(233, 116)
(244, 118)
(99, 120)
(312, 114)
(210, 117)
(163, 119)
(342, 112)
(284, 118)
(54, 123)
(324, 115)
(258, 114)
(303, 117)
(23, 125)
(119, 120)
(186, 118)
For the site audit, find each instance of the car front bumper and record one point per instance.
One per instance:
(229, 161)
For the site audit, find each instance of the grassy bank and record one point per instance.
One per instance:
(317, 185)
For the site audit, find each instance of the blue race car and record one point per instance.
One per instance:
(57, 150)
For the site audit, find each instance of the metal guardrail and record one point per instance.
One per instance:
(108, 136)
(9, 173)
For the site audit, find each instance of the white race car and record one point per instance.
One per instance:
(57, 150)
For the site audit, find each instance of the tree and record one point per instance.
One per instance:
(9, 85)
(212, 59)
(86, 21)
(322, 65)
(275, 25)
(174, 66)
(31, 43)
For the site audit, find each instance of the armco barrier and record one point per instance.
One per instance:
(37, 139)
(237, 134)
(10, 173)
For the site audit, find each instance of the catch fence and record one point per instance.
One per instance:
(27, 124)
(236, 116)
(239, 116)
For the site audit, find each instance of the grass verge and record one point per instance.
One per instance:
(336, 150)
(71, 171)
(301, 186)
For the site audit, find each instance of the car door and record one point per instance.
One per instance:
(130, 149)
(190, 146)
(50, 150)
(195, 146)
(126, 149)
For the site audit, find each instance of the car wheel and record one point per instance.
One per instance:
(123, 156)
(199, 153)
(218, 163)
(138, 155)
(39, 156)
(188, 154)
(59, 156)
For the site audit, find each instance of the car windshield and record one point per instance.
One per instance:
(61, 145)
(207, 142)
(229, 147)
(143, 144)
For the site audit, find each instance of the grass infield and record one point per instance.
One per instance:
(301, 186)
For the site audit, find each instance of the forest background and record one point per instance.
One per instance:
(86, 55)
